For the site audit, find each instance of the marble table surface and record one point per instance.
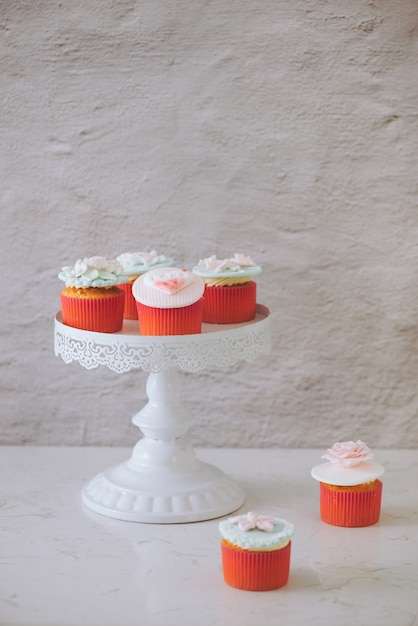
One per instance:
(63, 565)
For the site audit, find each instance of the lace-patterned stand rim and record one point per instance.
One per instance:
(163, 481)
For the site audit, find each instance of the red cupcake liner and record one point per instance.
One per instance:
(101, 315)
(230, 305)
(130, 311)
(255, 571)
(181, 321)
(350, 508)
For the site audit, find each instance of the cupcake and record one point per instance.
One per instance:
(135, 264)
(230, 293)
(350, 492)
(256, 551)
(169, 302)
(92, 299)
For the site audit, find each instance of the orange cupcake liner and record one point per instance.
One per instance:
(102, 315)
(182, 321)
(130, 311)
(255, 571)
(350, 508)
(230, 305)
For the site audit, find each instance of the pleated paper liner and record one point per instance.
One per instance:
(255, 571)
(181, 321)
(230, 305)
(350, 507)
(130, 311)
(102, 314)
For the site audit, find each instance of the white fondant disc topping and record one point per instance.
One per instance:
(334, 474)
(168, 288)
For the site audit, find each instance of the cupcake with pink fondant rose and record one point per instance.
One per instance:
(350, 489)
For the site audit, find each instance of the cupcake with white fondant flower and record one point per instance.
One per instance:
(92, 298)
(230, 291)
(169, 302)
(350, 489)
(256, 551)
(135, 264)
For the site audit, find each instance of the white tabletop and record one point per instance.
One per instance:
(63, 565)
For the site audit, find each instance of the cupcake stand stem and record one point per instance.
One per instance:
(163, 481)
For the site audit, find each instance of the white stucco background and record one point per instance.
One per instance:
(284, 130)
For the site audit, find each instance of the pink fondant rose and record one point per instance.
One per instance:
(251, 521)
(348, 453)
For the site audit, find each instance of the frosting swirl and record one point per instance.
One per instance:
(95, 271)
(135, 263)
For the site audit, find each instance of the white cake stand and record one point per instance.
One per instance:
(163, 481)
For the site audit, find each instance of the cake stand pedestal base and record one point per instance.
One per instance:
(163, 481)
(125, 493)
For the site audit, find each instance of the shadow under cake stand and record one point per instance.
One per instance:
(163, 481)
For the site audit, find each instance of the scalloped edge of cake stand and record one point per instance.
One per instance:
(123, 493)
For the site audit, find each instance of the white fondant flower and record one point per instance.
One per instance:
(251, 521)
(348, 453)
(95, 271)
(234, 264)
(242, 260)
(228, 265)
(211, 263)
(129, 259)
(96, 265)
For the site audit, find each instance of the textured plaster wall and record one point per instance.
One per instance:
(284, 130)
